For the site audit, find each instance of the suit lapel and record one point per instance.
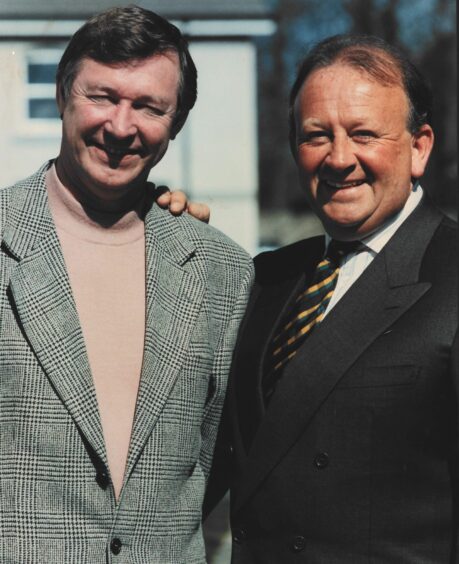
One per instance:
(40, 289)
(174, 296)
(265, 310)
(387, 288)
(251, 409)
(44, 303)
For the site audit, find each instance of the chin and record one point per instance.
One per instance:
(346, 217)
(114, 180)
(343, 222)
(343, 228)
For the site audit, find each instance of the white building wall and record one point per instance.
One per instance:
(23, 145)
(214, 158)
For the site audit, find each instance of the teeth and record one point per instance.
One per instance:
(344, 184)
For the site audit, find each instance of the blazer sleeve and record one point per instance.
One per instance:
(220, 371)
(221, 472)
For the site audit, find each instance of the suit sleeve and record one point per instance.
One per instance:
(455, 471)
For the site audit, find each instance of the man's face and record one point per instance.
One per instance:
(356, 156)
(117, 123)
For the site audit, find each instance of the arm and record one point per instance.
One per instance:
(218, 447)
(221, 471)
(455, 474)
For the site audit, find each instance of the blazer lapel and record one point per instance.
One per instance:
(387, 288)
(265, 310)
(174, 296)
(44, 303)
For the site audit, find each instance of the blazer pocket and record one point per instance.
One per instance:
(401, 375)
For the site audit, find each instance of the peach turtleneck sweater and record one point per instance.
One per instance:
(105, 258)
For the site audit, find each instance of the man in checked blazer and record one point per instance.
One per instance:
(117, 319)
(350, 453)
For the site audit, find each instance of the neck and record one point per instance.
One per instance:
(120, 203)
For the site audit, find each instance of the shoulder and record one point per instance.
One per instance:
(289, 260)
(226, 267)
(437, 229)
(211, 239)
(447, 231)
(35, 181)
(199, 248)
(24, 196)
(442, 250)
(211, 245)
(25, 190)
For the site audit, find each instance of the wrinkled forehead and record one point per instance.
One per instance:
(343, 79)
(380, 70)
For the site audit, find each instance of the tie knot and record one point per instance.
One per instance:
(338, 249)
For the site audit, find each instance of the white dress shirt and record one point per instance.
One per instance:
(355, 263)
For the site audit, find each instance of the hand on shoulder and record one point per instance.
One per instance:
(177, 203)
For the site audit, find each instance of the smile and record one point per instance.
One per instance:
(116, 152)
(342, 185)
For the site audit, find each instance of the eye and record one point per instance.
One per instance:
(149, 109)
(102, 99)
(315, 137)
(363, 135)
(154, 111)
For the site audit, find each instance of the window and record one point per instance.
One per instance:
(41, 85)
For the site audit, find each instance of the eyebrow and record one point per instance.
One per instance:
(311, 122)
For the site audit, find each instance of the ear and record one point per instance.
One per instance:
(177, 127)
(60, 100)
(422, 143)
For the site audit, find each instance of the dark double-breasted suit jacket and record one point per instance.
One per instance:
(355, 460)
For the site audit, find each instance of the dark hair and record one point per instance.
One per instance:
(124, 34)
(383, 62)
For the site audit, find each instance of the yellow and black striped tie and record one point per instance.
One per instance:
(308, 311)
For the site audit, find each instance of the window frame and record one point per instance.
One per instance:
(32, 126)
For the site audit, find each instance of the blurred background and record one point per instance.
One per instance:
(233, 152)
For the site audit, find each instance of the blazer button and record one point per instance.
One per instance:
(299, 543)
(115, 546)
(321, 460)
(239, 536)
(102, 479)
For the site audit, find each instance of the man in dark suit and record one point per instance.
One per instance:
(342, 404)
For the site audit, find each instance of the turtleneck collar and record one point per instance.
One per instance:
(84, 223)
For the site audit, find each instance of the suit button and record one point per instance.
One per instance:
(321, 460)
(299, 543)
(102, 479)
(239, 536)
(115, 546)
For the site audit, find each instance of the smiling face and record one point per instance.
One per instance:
(355, 155)
(117, 123)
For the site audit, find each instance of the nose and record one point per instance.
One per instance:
(341, 156)
(121, 122)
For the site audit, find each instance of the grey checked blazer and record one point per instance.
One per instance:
(56, 504)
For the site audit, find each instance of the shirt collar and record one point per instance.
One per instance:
(376, 241)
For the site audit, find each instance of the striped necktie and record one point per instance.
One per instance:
(308, 311)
